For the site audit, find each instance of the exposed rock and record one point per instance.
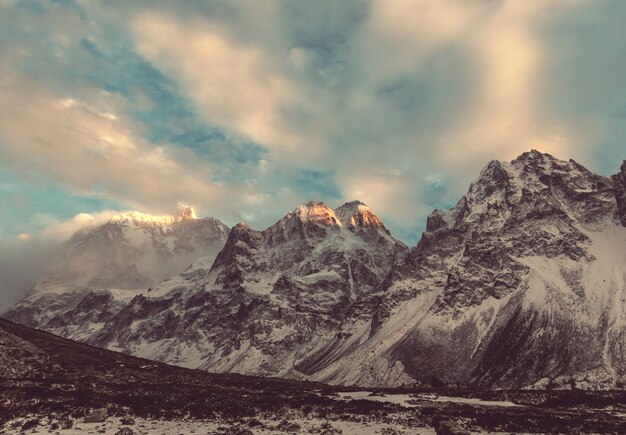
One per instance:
(619, 180)
(445, 427)
(286, 426)
(66, 424)
(519, 285)
(30, 424)
(85, 377)
(128, 421)
(272, 299)
(96, 416)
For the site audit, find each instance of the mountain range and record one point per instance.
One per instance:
(520, 285)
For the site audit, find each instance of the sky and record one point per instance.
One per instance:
(245, 109)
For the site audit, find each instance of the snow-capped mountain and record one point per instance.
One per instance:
(521, 284)
(270, 298)
(103, 267)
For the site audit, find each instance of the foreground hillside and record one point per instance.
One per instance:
(52, 384)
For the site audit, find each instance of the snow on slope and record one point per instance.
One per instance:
(104, 267)
(521, 284)
(270, 299)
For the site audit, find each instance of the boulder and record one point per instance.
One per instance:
(446, 427)
(96, 416)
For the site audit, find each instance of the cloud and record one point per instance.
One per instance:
(94, 148)
(27, 257)
(63, 230)
(233, 83)
(504, 116)
(246, 110)
(22, 263)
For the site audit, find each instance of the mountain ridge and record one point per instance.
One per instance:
(517, 286)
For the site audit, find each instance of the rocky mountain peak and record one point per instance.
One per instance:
(534, 183)
(533, 155)
(494, 177)
(186, 213)
(528, 266)
(315, 211)
(133, 251)
(536, 167)
(356, 214)
(144, 219)
(436, 220)
(307, 221)
(619, 182)
(240, 233)
(240, 226)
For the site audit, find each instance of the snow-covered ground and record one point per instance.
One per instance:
(469, 401)
(178, 427)
(255, 426)
(406, 399)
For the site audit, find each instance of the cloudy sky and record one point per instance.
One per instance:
(245, 109)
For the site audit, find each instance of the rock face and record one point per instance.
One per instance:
(103, 267)
(271, 299)
(521, 284)
(619, 181)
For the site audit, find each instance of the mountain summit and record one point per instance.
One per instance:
(356, 214)
(105, 266)
(520, 284)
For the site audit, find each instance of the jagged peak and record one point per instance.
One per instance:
(313, 204)
(187, 213)
(354, 203)
(241, 232)
(137, 217)
(528, 166)
(494, 170)
(358, 214)
(502, 185)
(241, 226)
(538, 162)
(315, 211)
(529, 159)
(438, 219)
(534, 154)
(534, 165)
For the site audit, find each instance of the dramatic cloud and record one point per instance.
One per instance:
(245, 109)
(91, 146)
(233, 83)
(21, 265)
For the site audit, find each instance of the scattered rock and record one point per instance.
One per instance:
(286, 426)
(128, 421)
(233, 430)
(96, 416)
(446, 427)
(125, 431)
(66, 424)
(255, 423)
(30, 424)
(328, 429)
